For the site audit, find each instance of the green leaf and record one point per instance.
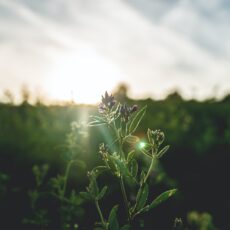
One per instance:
(142, 197)
(131, 139)
(142, 177)
(121, 166)
(96, 123)
(113, 222)
(116, 110)
(145, 209)
(149, 132)
(162, 197)
(97, 118)
(134, 168)
(120, 133)
(85, 195)
(93, 187)
(163, 151)
(136, 120)
(99, 170)
(110, 162)
(102, 193)
(130, 155)
(146, 152)
(125, 227)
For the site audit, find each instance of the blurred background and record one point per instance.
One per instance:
(58, 57)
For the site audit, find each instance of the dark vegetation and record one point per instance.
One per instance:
(197, 163)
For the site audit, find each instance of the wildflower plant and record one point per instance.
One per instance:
(70, 201)
(121, 122)
(39, 215)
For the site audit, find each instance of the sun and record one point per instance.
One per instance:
(82, 76)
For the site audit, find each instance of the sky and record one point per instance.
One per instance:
(77, 49)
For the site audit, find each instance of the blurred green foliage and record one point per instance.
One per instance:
(198, 159)
(200, 221)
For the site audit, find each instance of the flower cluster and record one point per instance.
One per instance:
(107, 103)
(158, 137)
(103, 149)
(126, 111)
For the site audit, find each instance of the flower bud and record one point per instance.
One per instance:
(158, 137)
(107, 103)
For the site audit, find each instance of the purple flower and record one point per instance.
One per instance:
(133, 109)
(101, 108)
(126, 111)
(107, 103)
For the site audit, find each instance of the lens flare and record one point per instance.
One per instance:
(142, 145)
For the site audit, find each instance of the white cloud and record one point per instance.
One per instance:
(188, 46)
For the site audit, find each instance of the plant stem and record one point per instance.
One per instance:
(100, 214)
(122, 156)
(66, 177)
(125, 198)
(149, 170)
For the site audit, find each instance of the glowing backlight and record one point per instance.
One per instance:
(142, 145)
(81, 76)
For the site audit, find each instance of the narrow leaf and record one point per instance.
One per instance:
(163, 151)
(131, 139)
(113, 222)
(96, 123)
(142, 197)
(93, 187)
(102, 193)
(146, 153)
(142, 177)
(162, 197)
(121, 166)
(145, 209)
(130, 155)
(97, 118)
(149, 132)
(98, 170)
(137, 119)
(85, 195)
(134, 168)
(110, 162)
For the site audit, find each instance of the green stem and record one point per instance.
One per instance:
(120, 139)
(101, 215)
(66, 177)
(149, 170)
(126, 129)
(122, 156)
(125, 198)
